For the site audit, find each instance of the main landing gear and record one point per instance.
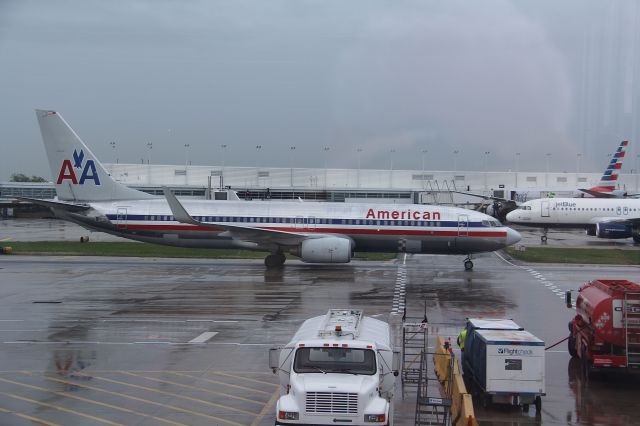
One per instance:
(468, 264)
(274, 260)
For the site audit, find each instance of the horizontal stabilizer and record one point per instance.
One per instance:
(598, 194)
(69, 207)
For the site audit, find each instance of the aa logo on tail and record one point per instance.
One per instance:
(88, 170)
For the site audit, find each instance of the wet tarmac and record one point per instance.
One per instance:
(157, 341)
(168, 341)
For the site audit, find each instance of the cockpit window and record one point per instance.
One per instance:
(486, 223)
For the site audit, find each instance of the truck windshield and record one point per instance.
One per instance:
(335, 360)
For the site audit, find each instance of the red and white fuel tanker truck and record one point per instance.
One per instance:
(605, 333)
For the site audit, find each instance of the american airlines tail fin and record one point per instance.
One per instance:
(610, 176)
(76, 172)
(607, 184)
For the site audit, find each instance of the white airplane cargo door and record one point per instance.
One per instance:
(463, 225)
(121, 217)
(544, 209)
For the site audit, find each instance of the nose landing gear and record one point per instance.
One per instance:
(543, 237)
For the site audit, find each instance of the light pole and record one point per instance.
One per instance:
(258, 148)
(517, 167)
(186, 155)
(186, 162)
(423, 152)
(113, 146)
(359, 151)
(578, 157)
(391, 152)
(486, 161)
(292, 150)
(326, 157)
(150, 147)
(223, 149)
(546, 176)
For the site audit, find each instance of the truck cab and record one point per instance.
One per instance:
(337, 370)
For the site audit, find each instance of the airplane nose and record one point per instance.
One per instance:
(513, 236)
(511, 216)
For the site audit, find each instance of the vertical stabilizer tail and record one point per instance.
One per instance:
(76, 172)
(611, 173)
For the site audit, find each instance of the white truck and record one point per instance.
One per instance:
(338, 369)
(504, 362)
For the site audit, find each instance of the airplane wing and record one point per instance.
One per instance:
(56, 204)
(244, 233)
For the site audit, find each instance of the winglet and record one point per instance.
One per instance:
(178, 211)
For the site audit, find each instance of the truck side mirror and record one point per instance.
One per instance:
(274, 359)
(396, 363)
(567, 299)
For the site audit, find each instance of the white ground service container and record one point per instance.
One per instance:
(505, 362)
(339, 369)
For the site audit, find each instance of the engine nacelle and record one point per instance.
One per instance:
(325, 250)
(613, 230)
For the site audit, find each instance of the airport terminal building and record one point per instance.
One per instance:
(337, 185)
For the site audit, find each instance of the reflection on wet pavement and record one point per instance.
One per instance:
(115, 346)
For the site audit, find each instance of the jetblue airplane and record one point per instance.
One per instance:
(314, 232)
(600, 217)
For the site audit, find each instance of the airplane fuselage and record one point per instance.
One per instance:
(371, 227)
(573, 212)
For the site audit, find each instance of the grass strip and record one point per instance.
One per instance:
(577, 255)
(134, 249)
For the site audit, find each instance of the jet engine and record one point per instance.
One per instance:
(325, 250)
(613, 230)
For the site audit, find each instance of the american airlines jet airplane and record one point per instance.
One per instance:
(314, 232)
(600, 217)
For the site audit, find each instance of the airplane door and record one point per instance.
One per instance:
(121, 217)
(311, 223)
(544, 209)
(618, 210)
(299, 222)
(463, 225)
(625, 210)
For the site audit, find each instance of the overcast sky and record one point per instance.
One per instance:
(498, 76)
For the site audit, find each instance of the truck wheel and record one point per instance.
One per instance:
(525, 408)
(538, 404)
(571, 345)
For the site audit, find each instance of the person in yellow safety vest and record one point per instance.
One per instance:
(461, 338)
